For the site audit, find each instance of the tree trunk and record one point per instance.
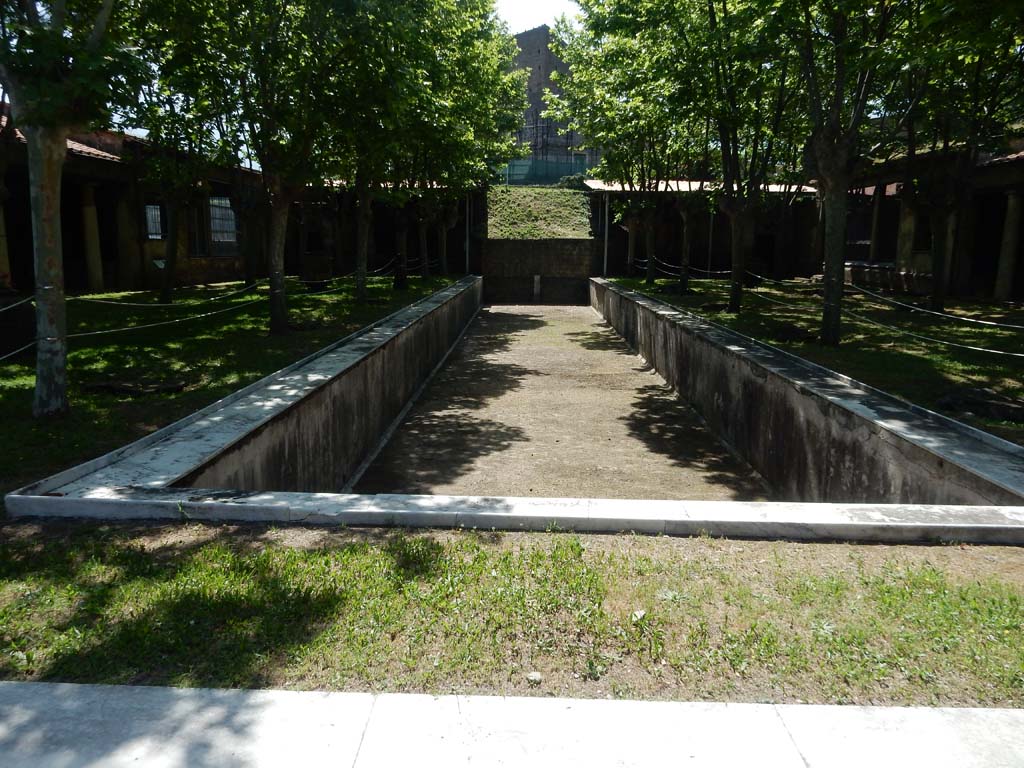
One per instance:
(684, 273)
(46, 150)
(834, 204)
(280, 203)
(741, 240)
(343, 242)
(939, 218)
(170, 254)
(401, 250)
(818, 241)
(421, 227)
(631, 245)
(442, 247)
(364, 218)
(650, 241)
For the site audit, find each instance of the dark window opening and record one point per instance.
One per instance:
(223, 227)
(156, 224)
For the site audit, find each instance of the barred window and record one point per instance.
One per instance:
(223, 228)
(155, 222)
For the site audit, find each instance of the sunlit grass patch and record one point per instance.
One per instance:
(473, 612)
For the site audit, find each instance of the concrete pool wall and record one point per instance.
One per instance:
(307, 427)
(283, 431)
(815, 435)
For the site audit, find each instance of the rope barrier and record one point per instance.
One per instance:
(82, 334)
(929, 338)
(17, 351)
(711, 271)
(855, 316)
(781, 303)
(167, 306)
(773, 280)
(945, 315)
(18, 303)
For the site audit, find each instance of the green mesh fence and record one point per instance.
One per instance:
(535, 170)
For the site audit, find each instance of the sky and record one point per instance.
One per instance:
(527, 14)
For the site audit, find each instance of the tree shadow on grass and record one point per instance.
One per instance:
(211, 612)
(215, 611)
(670, 427)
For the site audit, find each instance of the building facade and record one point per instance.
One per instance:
(554, 149)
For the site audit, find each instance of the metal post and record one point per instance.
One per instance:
(607, 226)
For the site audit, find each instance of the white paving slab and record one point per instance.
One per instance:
(46, 725)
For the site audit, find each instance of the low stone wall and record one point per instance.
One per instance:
(538, 271)
(814, 435)
(888, 277)
(319, 442)
(309, 427)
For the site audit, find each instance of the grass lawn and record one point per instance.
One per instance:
(441, 612)
(211, 357)
(536, 213)
(921, 372)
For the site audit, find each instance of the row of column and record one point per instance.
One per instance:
(1008, 251)
(90, 239)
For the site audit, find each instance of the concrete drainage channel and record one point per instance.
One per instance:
(267, 453)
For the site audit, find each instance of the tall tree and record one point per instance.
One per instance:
(63, 65)
(844, 46)
(619, 96)
(289, 64)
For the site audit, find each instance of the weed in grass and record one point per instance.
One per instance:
(436, 612)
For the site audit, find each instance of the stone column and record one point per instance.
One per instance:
(129, 250)
(951, 229)
(91, 239)
(905, 241)
(1008, 255)
(5, 258)
(876, 216)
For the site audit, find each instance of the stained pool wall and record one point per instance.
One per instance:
(814, 435)
(318, 443)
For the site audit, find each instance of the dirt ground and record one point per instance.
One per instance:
(550, 402)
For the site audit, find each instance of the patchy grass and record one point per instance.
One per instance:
(597, 616)
(211, 356)
(918, 371)
(537, 213)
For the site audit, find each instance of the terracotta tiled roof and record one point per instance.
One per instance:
(74, 147)
(1016, 157)
(683, 185)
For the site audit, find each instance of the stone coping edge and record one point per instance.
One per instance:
(878, 523)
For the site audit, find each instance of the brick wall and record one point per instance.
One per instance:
(510, 269)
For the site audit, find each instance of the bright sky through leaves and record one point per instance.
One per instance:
(522, 15)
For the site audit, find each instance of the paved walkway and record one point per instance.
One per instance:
(43, 725)
(550, 402)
